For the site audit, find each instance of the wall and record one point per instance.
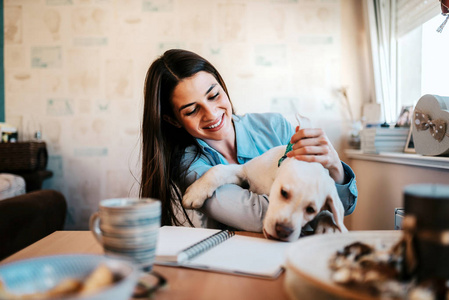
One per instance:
(74, 70)
(381, 186)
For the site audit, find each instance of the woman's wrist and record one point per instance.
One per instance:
(337, 173)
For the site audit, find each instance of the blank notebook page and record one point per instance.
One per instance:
(242, 254)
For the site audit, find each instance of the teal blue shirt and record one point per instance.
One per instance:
(238, 207)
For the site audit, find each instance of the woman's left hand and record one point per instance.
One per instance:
(312, 145)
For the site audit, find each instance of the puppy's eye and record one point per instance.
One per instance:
(310, 210)
(284, 194)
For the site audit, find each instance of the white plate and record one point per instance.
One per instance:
(307, 268)
(43, 273)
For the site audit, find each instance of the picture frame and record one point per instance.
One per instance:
(410, 144)
(405, 117)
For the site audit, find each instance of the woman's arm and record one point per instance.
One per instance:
(233, 205)
(237, 207)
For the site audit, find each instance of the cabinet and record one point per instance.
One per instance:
(381, 179)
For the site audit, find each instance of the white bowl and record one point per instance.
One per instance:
(43, 273)
(308, 275)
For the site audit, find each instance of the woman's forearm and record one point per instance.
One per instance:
(237, 207)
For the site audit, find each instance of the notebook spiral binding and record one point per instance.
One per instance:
(207, 243)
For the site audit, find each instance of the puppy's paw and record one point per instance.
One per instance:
(325, 223)
(323, 228)
(197, 194)
(204, 187)
(191, 199)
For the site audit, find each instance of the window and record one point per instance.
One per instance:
(423, 65)
(408, 54)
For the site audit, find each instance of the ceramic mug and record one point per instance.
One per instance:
(128, 228)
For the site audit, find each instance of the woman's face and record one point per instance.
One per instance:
(202, 107)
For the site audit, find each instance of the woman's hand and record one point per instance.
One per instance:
(312, 145)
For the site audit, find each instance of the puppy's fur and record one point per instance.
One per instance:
(298, 191)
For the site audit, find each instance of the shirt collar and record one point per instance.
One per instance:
(246, 148)
(210, 152)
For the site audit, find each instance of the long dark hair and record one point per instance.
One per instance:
(163, 144)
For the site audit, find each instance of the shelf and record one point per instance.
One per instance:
(437, 162)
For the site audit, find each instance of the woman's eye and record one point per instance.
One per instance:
(191, 112)
(214, 96)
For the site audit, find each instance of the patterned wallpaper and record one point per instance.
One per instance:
(74, 70)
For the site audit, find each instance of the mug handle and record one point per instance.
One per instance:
(94, 225)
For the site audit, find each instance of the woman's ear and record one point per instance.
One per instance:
(171, 121)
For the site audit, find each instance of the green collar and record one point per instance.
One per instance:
(287, 150)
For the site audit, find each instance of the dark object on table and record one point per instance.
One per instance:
(427, 205)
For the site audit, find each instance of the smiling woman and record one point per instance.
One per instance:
(189, 125)
(164, 134)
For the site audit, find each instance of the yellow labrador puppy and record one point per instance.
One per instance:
(298, 191)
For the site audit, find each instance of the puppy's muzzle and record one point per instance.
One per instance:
(283, 231)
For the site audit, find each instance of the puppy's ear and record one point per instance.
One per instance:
(333, 203)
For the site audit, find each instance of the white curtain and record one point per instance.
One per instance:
(380, 16)
(413, 13)
(388, 20)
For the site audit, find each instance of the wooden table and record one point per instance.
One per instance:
(182, 283)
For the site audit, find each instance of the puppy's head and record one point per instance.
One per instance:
(299, 192)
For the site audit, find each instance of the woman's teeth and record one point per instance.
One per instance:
(215, 125)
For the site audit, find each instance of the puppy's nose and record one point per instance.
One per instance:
(283, 231)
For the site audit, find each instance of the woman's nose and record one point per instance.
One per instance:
(209, 112)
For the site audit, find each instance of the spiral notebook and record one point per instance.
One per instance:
(220, 251)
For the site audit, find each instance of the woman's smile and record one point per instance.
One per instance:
(217, 125)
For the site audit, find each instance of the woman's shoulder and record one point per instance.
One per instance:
(269, 118)
(270, 129)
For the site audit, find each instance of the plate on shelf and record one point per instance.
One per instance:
(308, 275)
